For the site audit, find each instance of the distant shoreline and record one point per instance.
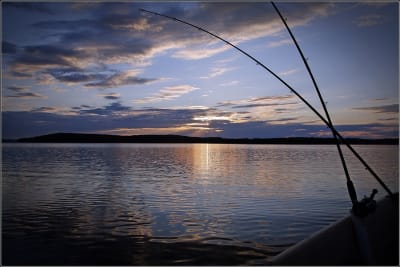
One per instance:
(102, 138)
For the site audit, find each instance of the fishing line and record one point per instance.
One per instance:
(335, 132)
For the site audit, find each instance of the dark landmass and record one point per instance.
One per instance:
(102, 138)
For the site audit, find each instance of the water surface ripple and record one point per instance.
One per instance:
(169, 204)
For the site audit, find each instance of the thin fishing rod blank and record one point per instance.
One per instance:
(290, 88)
(350, 185)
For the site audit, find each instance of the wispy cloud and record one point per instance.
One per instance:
(393, 108)
(217, 71)
(283, 120)
(113, 109)
(8, 48)
(271, 109)
(187, 121)
(140, 24)
(368, 20)
(167, 93)
(379, 99)
(259, 102)
(375, 130)
(26, 95)
(189, 129)
(288, 72)
(279, 43)
(120, 79)
(18, 89)
(71, 75)
(230, 83)
(47, 109)
(194, 54)
(111, 96)
(42, 8)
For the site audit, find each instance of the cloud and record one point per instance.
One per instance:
(60, 90)
(150, 34)
(112, 118)
(120, 79)
(259, 129)
(37, 7)
(61, 111)
(167, 93)
(44, 78)
(8, 48)
(283, 120)
(113, 109)
(259, 102)
(262, 105)
(19, 93)
(21, 75)
(26, 95)
(72, 75)
(84, 5)
(94, 78)
(33, 61)
(65, 24)
(288, 72)
(379, 99)
(68, 62)
(119, 34)
(18, 89)
(46, 109)
(51, 55)
(214, 115)
(373, 130)
(111, 96)
(217, 71)
(230, 83)
(129, 23)
(271, 109)
(78, 50)
(190, 130)
(195, 54)
(88, 35)
(86, 118)
(81, 107)
(368, 20)
(243, 21)
(279, 43)
(389, 109)
(117, 118)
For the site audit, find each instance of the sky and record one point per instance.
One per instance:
(106, 67)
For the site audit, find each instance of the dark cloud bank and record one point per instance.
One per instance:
(87, 119)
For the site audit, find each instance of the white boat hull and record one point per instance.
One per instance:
(373, 240)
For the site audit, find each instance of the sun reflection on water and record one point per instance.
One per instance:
(248, 195)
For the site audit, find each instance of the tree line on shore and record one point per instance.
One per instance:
(103, 138)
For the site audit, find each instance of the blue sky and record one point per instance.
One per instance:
(107, 68)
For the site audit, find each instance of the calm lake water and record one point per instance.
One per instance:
(168, 204)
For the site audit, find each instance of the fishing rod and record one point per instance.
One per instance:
(350, 186)
(343, 140)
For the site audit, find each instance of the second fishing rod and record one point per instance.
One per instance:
(350, 186)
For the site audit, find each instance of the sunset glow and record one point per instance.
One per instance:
(105, 67)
